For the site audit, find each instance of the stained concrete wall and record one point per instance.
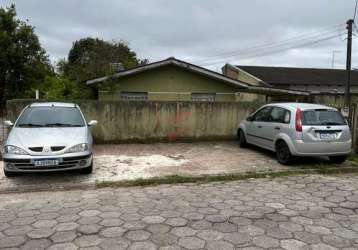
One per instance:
(121, 121)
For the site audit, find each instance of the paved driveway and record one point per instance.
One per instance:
(305, 212)
(133, 161)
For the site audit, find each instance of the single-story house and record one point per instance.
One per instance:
(176, 80)
(324, 85)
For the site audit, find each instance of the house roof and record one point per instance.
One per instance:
(280, 76)
(199, 70)
(176, 62)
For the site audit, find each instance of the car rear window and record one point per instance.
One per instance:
(51, 117)
(322, 117)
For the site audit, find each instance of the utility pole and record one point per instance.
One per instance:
(347, 94)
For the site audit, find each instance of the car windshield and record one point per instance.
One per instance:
(51, 117)
(322, 117)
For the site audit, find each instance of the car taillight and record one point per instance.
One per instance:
(298, 120)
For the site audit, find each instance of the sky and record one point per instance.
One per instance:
(302, 33)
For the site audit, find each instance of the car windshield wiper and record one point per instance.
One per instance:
(61, 125)
(30, 125)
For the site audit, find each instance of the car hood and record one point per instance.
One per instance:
(42, 137)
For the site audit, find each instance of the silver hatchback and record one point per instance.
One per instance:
(298, 129)
(48, 137)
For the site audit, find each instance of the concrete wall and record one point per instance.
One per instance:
(172, 83)
(120, 121)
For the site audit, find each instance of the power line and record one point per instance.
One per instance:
(255, 55)
(294, 39)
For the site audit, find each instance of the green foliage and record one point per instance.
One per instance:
(23, 62)
(91, 57)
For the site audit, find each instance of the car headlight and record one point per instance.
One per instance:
(14, 150)
(78, 148)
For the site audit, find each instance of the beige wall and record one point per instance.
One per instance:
(120, 121)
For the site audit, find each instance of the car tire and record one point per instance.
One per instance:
(87, 170)
(242, 139)
(9, 174)
(283, 153)
(338, 159)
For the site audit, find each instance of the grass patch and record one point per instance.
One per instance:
(176, 179)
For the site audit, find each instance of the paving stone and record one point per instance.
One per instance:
(89, 229)
(290, 226)
(238, 238)
(306, 237)
(176, 222)
(222, 245)
(63, 246)
(111, 222)
(89, 220)
(216, 218)
(201, 224)
(278, 233)
(158, 228)
(66, 226)
(66, 236)
(191, 242)
(18, 230)
(266, 242)
(183, 231)
(11, 241)
(137, 235)
(87, 241)
(113, 232)
(241, 221)
(165, 239)
(147, 245)
(44, 223)
(115, 244)
(23, 221)
(210, 235)
(89, 213)
(293, 244)
(336, 241)
(322, 247)
(225, 227)
(36, 244)
(40, 233)
(153, 219)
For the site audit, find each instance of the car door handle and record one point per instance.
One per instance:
(259, 126)
(277, 128)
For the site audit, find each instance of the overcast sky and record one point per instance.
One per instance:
(199, 30)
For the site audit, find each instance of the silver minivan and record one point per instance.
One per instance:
(48, 137)
(298, 129)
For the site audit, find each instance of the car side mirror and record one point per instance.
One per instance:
(8, 123)
(249, 118)
(92, 123)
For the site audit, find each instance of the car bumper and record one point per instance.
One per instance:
(66, 162)
(301, 148)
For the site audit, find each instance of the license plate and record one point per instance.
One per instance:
(327, 136)
(46, 163)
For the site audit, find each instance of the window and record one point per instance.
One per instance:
(322, 117)
(134, 96)
(202, 97)
(279, 115)
(262, 114)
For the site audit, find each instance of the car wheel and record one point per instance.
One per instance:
(87, 170)
(9, 174)
(242, 139)
(283, 153)
(338, 159)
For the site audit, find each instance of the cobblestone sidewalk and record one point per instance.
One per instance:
(301, 212)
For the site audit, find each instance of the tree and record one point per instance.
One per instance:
(24, 64)
(91, 57)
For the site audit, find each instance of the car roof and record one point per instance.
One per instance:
(53, 104)
(302, 105)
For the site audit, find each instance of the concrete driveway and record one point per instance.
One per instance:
(133, 161)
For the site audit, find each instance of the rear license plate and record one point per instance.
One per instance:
(328, 136)
(46, 163)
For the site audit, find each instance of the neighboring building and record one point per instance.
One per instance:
(324, 85)
(175, 80)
